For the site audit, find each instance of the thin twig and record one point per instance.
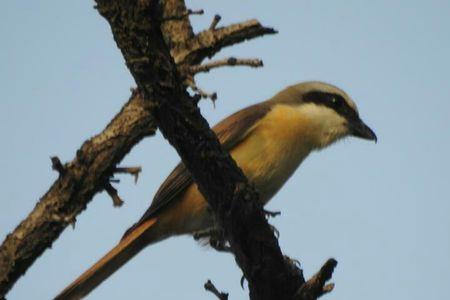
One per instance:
(214, 22)
(184, 15)
(209, 286)
(86, 174)
(112, 192)
(57, 165)
(134, 171)
(231, 61)
(316, 286)
(208, 42)
(205, 95)
(272, 214)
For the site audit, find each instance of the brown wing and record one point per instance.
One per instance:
(230, 132)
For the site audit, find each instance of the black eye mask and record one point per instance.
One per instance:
(334, 101)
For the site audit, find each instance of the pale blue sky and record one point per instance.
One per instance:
(381, 210)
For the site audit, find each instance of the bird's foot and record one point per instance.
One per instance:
(213, 237)
(220, 245)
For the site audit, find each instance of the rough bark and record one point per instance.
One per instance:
(161, 52)
(89, 172)
(135, 26)
(78, 182)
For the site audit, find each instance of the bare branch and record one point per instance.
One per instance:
(203, 94)
(175, 32)
(134, 171)
(232, 199)
(214, 22)
(209, 42)
(231, 61)
(141, 37)
(316, 286)
(183, 15)
(82, 178)
(272, 214)
(112, 192)
(96, 159)
(57, 165)
(209, 286)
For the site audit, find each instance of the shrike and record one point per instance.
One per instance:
(268, 141)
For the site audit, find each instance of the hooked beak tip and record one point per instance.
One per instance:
(361, 130)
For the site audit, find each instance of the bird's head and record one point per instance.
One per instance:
(327, 113)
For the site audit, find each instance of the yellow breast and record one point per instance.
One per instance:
(273, 150)
(268, 156)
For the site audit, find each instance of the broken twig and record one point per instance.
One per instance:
(214, 22)
(134, 171)
(112, 192)
(57, 165)
(231, 61)
(209, 286)
(187, 13)
(316, 286)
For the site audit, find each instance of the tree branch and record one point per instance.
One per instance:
(231, 61)
(208, 42)
(79, 181)
(175, 32)
(133, 171)
(183, 15)
(210, 287)
(89, 172)
(112, 192)
(214, 22)
(57, 165)
(147, 46)
(235, 203)
(316, 286)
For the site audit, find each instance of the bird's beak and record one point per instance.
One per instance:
(359, 129)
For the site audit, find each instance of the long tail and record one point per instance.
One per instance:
(128, 247)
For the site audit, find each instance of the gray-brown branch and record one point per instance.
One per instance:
(317, 285)
(208, 42)
(134, 171)
(135, 26)
(231, 61)
(210, 287)
(95, 162)
(79, 180)
(183, 15)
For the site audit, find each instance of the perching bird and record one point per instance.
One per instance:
(268, 141)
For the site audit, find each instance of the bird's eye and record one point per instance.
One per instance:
(336, 101)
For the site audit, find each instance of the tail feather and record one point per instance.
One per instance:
(129, 246)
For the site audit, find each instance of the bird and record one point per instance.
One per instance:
(268, 141)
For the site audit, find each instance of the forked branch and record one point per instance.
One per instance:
(95, 161)
(231, 61)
